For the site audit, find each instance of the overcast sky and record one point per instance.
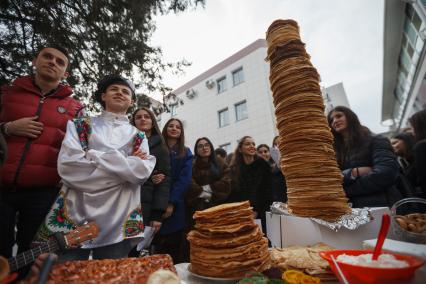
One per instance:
(344, 39)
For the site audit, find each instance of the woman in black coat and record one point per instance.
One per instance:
(155, 191)
(418, 124)
(251, 178)
(403, 144)
(367, 161)
(279, 188)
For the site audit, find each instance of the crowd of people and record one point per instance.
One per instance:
(62, 168)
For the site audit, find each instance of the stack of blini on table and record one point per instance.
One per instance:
(226, 242)
(314, 181)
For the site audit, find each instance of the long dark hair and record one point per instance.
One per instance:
(357, 133)
(212, 158)
(274, 141)
(270, 161)
(181, 150)
(263, 146)
(418, 122)
(408, 140)
(155, 129)
(237, 158)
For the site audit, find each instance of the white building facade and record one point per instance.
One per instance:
(334, 96)
(233, 99)
(228, 101)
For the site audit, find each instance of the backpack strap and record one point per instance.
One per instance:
(137, 140)
(84, 129)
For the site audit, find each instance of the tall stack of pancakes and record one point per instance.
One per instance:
(314, 181)
(226, 243)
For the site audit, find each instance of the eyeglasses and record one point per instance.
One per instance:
(205, 146)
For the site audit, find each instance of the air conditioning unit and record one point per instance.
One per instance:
(210, 84)
(190, 94)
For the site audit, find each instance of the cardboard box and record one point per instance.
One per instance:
(283, 231)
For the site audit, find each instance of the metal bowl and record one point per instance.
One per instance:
(404, 207)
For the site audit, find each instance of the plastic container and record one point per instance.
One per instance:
(363, 274)
(404, 207)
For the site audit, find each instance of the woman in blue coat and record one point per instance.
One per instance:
(170, 237)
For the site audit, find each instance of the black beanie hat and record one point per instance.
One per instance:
(107, 81)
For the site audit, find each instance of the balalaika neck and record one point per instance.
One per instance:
(28, 257)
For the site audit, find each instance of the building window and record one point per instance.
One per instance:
(238, 76)
(409, 11)
(404, 40)
(402, 80)
(221, 85)
(419, 45)
(410, 50)
(403, 70)
(241, 110)
(226, 147)
(417, 22)
(173, 110)
(410, 32)
(398, 94)
(405, 60)
(223, 117)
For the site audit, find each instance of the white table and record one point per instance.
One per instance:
(185, 275)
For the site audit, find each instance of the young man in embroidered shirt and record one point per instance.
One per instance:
(102, 163)
(34, 111)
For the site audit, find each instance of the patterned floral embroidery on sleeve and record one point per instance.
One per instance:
(57, 220)
(137, 141)
(134, 224)
(84, 129)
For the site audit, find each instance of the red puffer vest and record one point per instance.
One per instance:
(32, 162)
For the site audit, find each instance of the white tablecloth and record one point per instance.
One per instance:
(185, 275)
(189, 278)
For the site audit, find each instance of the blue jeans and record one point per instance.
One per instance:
(114, 251)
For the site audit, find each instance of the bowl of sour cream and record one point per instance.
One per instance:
(358, 267)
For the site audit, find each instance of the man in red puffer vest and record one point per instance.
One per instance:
(33, 116)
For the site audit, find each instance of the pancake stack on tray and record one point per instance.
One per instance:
(226, 243)
(314, 181)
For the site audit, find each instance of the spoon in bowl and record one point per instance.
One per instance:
(384, 228)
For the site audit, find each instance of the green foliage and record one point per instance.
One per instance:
(102, 36)
(143, 101)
